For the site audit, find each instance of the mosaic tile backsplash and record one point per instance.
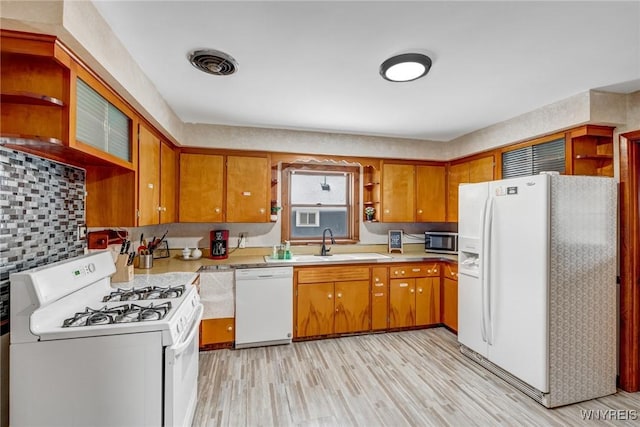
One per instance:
(43, 204)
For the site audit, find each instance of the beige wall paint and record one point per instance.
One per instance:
(281, 140)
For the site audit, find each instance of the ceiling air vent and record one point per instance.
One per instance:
(213, 62)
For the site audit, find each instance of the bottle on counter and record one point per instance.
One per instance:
(287, 249)
(274, 254)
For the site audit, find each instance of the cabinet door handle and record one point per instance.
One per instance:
(429, 271)
(329, 296)
(419, 211)
(339, 295)
(262, 210)
(217, 210)
(402, 272)
(377, 279)
(229, 328)
(386, 211)
(420, 290)
(412, 290)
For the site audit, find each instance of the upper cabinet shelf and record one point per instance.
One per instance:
(29, 98)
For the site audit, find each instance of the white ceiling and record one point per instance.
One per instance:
(314, 65)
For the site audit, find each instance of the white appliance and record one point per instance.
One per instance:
(264, 306)
(83, 353)
(537, 283)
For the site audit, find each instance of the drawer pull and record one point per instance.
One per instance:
(378, 284)
(416, 270)
(229, 328)
(403, 285)
(378, 294)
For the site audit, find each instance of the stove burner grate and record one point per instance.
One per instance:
(146, 293)
(125, 313)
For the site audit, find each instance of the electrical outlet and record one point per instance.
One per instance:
(82, 232)
(242, 240)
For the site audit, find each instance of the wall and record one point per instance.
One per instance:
(42, 206)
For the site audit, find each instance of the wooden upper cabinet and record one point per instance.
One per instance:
(148, 177)
(168, 181)
(398, 193)
(481, 169)
(476, 170)
(430, 193)
(248, 189)
(201, 188)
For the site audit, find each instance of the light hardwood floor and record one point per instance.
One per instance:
(414, 378)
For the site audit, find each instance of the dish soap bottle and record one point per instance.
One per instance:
(287, 249)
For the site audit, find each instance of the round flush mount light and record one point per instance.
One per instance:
(405, 67)
(213, 62)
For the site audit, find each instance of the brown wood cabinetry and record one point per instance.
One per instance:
(475, 170)
(168, 183)
(217, 333)
(209, 182)
(414, 295)
(590, 150)
(201, 188)
(430, 193)
(156, 179)
(248, 189)
(413, 193)
(379, 298)
(331, 300)
(450, 295)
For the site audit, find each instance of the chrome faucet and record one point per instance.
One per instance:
(324, 251)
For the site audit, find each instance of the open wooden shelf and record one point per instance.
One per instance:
(29, 98)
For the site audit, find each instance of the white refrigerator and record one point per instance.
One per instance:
(537, 283)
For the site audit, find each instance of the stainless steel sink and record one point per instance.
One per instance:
(365, 256)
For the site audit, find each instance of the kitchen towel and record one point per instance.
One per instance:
(217, 294)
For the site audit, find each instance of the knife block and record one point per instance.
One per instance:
(124, 272)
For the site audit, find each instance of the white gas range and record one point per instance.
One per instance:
(85, 353)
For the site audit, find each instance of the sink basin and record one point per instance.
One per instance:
(365, 256)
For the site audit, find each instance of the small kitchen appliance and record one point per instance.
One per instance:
(441, 242)
(219, 244)
(114, 357)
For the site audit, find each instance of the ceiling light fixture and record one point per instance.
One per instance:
(405, 67)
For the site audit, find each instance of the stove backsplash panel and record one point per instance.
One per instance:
(43, 204)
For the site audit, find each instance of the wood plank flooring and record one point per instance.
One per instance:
(414, 378)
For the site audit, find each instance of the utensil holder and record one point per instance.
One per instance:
(124, 272)
(146, 261)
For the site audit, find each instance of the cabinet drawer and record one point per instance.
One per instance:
(217, 331)
(332, 274)
(414, 270)
(450, 271)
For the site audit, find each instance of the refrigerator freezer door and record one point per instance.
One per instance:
(518, 283)
(471, 210)
(471, 205)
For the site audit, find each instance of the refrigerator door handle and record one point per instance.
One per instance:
(483, 258)
(486, 272)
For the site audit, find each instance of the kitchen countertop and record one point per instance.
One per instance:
(254, 257)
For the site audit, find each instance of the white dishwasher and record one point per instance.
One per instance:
(264, 306)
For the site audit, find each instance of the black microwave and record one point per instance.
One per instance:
(446, 243)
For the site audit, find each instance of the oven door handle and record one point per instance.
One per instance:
(175, 351)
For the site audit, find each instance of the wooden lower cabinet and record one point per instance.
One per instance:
(216, 333)
(450, 296)
(315, 309)
(332, 300)
(414, 295)
(379, 298)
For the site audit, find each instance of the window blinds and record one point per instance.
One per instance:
(549, 156)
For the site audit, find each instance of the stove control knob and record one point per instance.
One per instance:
(178, 328)
(91, 267)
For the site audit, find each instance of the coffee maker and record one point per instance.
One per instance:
(219, 244)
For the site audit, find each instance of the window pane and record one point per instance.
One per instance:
(335, 218)
(307, 189)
